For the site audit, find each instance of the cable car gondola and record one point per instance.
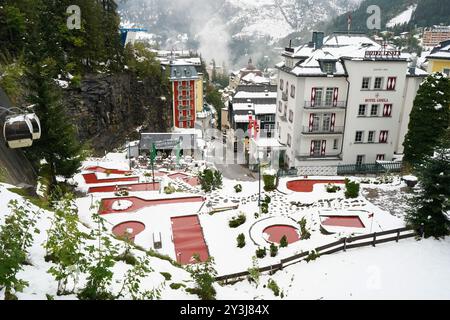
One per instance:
(36, 125)
(18, 132)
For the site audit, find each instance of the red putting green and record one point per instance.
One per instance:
(130, 187)
(91, 178)
(308, 185)
(343, 221)
(276, 232)
(139, 203)
(188, 239)
(122, 229)
(106, 170)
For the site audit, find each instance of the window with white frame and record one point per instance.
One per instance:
(359, 136)
(366, 83)
(329, 96)
(291, 116)
(362, 110)
(360, 159)
(292, 91)
(446, 71)
(335, 144)
(371, 137)
(328, 67)
(378, 83)
(289, 140)
(318, 97)
(280, 106)
(374, 110)
(281, 84)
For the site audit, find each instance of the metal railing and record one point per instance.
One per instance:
(325, 105)
(307, 156)
(322, 130)
(369, 168)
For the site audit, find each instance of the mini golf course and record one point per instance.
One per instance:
(276, 232)
(106, 206)
(123, 229)
(308, 185)
(106, 170)
(343, 221)
(91, 178)
(130, 187)
(188, 239)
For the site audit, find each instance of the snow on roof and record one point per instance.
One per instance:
(241, 118)
(243, 106)
(254, 78)
(252, 95)
(267, 142)
(265, 109)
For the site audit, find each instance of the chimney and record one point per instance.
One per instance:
(318, 39)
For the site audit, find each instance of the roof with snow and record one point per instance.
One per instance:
(442, 51)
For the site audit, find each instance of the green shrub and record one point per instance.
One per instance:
(332, 188)
(264, 207)
(169, 189)
(210, 180)
(269, 182)
(237, 221)
(267, 199)
(305, 234)
(313, 255)
(176, 286)
(238, 188)
(261, 253)
(241, 240)
(352, 189)
(166, 275)
(272, 285)
(283, 242)
(273, 250)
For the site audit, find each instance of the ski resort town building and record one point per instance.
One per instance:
(344, 99)
(439, 58)
(435, 35)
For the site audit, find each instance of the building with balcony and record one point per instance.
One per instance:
(344, 99)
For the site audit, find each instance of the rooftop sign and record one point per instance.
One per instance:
(390, 54)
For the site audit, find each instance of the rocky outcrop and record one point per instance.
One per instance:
(108, 109)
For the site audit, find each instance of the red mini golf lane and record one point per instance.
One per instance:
(276, 232)
(129, 187)
(106, 170)
(193, 181)
(91, 178)
(308, 185)
(139, 203)
(340, 221)
(121, 230)
(188, 239)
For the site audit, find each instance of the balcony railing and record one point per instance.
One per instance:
(323, 130)
(183, 107)
(186, 118)
(325, 105)
(308, 156)
(284, 96)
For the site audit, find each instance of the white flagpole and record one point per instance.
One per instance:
(371, 225)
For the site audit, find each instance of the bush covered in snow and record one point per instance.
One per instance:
(261, 253)
(283, 242)
(332, 188)
(238, 188)
(273, 250)
(272, 285)
(241, 240)
(237, 221)
(210, 180)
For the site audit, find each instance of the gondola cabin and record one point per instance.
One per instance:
(18, 132)
(36, 125)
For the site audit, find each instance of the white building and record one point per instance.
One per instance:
(344, 99)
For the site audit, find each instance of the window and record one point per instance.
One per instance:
(335, 144)
(359, 136)
(374, 110)
(329, 96)
(285, 110)
(328, 67)
(289, 140)
(280, 107)
(292, 91)
(384, 136)
(326, 122)
(366, 83)
(270, 118)
(380, 157)
(291, 116)
(371, 137)
(318, 97)
(378, 83)
(281, 84)
(316, 146)
(446, 71)
(360, 160)
(362, 110)
(387, 111)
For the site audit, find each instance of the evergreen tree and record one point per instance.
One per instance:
(429, 118)
(429, 207)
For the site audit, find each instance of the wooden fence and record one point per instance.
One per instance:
(341, 245)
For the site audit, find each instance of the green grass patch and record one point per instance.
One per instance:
(38, 202)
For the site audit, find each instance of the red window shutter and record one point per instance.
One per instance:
(324, 147)
(312, 148)
(383, 136)
(333, 121)
(335, 97)
(392, 82)
(311, 122)
(313, 97)
(387, 110)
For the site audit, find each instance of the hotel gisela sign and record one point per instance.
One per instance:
(392, 54)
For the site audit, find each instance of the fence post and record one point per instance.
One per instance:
(345, 244)
(398, 235)
(374, 239)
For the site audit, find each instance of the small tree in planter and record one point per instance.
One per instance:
(273, 250)
(241, 240)
(352, 189)
(283, 242)
(238, 188)
(261, 253)
(269, 182)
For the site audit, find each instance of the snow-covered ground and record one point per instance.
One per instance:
(366, 273)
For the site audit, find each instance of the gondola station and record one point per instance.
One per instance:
(20, 128)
